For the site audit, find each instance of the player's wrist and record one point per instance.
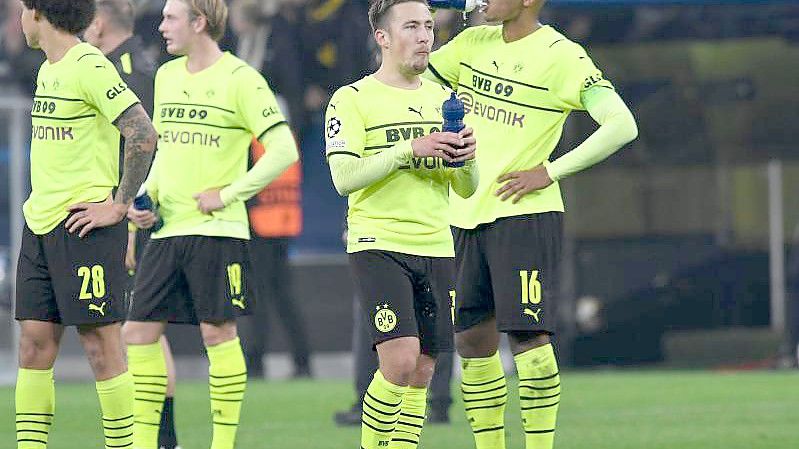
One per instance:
(120, 210)
(226, 196)
(406, 150)
(550, 169)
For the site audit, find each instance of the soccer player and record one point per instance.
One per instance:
(519, 81)
(208, 106)
(70, 269)
(386, 151)
(111, 31)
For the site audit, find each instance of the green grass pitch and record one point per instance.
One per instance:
(599, 410)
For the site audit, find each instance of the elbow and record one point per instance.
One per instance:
(630, 129)
(342, 188)
(470, 192)
(343, 191)
(294, 156)
(466, 192)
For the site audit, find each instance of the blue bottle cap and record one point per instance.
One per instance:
(453, 109)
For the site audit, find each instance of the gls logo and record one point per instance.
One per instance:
(115, 91)
(591, 80)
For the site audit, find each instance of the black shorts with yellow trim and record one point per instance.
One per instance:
(509, 269)
(192, 279)
(65, 279)
(405, 295)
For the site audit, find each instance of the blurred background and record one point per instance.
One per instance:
(681, 248)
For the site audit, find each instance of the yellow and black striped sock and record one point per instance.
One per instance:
(227, 374)
(381, 409)
(485, 394)
(116, 403)
(411, 419)
(35, 402)
(539, 391)
(148, 366)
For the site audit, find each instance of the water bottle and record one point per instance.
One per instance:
(144, 202)
(460, 5)
(453, 113)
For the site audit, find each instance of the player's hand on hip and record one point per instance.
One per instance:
(143, 219)
(209, 201)
(520, 183)
(437, 145)
(467, 152)
(88, 216)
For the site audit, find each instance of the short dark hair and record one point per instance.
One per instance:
(72, 16)
(120, 12)
(380, 9)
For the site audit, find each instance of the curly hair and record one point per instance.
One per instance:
(72, 16)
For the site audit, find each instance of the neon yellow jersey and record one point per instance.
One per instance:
(74, 143)
(517, 98)
(206, 122)
(405, 212)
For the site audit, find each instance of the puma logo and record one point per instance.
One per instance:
(217, 412)
(238, 302)
(496, 66)
(186, 93)
(533, 314)
(99, 309)
(410, 109)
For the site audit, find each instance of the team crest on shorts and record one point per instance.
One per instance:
(385, 318)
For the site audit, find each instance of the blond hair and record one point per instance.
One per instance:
(380, 9)
(215, 13)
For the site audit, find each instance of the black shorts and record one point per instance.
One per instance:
(406, 296)
(180, 289)
(65, 279)
(192, 279)
(509, 269)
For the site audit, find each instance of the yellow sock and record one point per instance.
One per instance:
(148, 366)
(484, 397)
(411, 419)
(227, 374)
(35, 403)
(116, 403)
(381, 409)
(539, 391)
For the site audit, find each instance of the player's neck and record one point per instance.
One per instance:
(395, 78)
(55, 44)
(203, 55)
(520, 27)
(113, 41)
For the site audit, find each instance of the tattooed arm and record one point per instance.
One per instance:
(140, 139)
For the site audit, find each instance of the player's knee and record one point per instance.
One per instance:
(423, 373)
(481, 340)
(95, 354)
(134, 333)
(36, 352)
(522, 341)
(399, 368)
(470, 344)
(215, 335)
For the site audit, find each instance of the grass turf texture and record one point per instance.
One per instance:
(599, 410)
